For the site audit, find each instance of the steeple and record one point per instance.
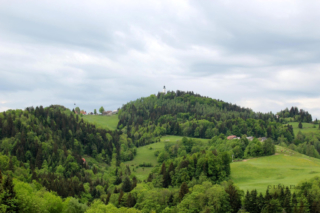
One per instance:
(164, 89)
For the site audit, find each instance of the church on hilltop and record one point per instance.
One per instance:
(164, 90)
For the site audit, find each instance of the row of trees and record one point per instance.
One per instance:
(295, 114)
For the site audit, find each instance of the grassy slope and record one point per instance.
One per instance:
(109, 122)
(286, 167)
(306, 127)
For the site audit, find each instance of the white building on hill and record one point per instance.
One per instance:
(164, 90)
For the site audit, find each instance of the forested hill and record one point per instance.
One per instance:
(48, 144)
(189, 114)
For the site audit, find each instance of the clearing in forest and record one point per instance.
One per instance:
(103, 121)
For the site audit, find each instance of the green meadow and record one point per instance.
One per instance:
(285, 167)
(306, 127)
(103, 121)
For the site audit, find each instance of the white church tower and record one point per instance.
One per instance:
(164, 89)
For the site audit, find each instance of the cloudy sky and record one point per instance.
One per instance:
(258, 54)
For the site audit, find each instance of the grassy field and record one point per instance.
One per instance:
(286, 167)
(146, 155)
(109, 122)
(306, 127)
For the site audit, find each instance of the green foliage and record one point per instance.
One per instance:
(101, 110)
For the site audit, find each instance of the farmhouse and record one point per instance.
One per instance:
(107, 113)
(231, 137)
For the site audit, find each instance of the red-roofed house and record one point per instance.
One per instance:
(231, 137)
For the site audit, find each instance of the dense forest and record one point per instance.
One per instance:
(188, 114)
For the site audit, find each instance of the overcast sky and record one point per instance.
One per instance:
(258, 54)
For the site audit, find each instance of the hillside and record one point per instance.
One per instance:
(50, 145)
(141, 161)
(192, 115)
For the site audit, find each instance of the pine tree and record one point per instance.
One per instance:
(166, 180)
(287, 201)
(120, 200)
(126, 186)
(234, 197)
(170, 200)
(1, 187)
(11, 166)
(247, 201)
(9, 196)
(150, 177)
(260, 202)
(131, 201)
(300, 125)
(253, 204)
(163, 169)
(183, 190)
(39, 158)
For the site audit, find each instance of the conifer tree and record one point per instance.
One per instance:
(234, 197)
(126, 186)
(120, 200)
(9, 196)
(300, 125)
(170, 200)
(183, 190)
(260, 202)
(287, 201)
(39, 158)
(163, 169)
(247, 201)
(131, 201)
(11, 166)
(150, 177)
(166, 180)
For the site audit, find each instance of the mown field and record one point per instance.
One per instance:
(306, 127)
(286, 167)
(109, 122)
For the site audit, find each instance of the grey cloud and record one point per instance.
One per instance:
(108, 53)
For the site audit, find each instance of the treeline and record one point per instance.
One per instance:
(296, 115)
(187, 114)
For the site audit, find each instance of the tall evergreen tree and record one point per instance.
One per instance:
(234, 197)
(9, 196)
(300, 125)
(183, 190)
(126, 186)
